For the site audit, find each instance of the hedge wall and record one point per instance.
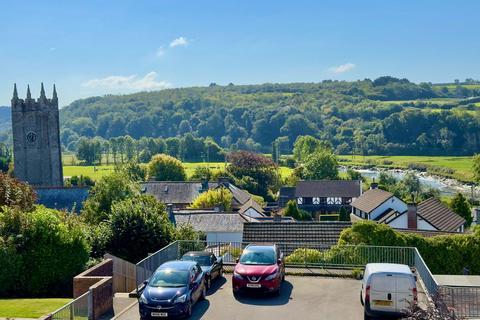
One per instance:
(444, 254)
(40, 252)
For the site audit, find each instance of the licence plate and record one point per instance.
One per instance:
(254, 285)
(382, 302)
(159, 314)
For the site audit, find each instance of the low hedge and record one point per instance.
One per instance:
(444, 254)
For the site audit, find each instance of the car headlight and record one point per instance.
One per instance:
(272, 276)
(143, 299)
(237, 275)
(181, 299)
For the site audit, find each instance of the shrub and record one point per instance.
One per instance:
(163, 167)
(40, 252)
(304, 255)
(212, 198)
(16, 193)
(139, 225)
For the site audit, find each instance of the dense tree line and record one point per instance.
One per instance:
(353, 116)
(123, 149)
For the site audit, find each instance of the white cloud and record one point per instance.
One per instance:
(132, 82)
(182, 41)
(160, 52)
(342, 68)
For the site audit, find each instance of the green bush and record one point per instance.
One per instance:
(138, 225)
(304, 255)
(444, 254)
(40, 252)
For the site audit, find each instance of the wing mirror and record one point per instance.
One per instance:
(236, 260)
(279, 261)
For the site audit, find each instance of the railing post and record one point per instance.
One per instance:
(72, 312)
(90, 306)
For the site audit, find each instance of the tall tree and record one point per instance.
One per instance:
(163, 167)
(459, 204)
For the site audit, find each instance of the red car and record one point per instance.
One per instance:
(261, 267)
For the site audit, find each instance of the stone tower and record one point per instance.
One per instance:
(36, 139)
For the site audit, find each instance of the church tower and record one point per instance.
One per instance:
(36, 139)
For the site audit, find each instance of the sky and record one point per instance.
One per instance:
(90, 48)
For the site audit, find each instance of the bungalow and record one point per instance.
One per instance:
(384, 207)
(322, 196)
(181, 194)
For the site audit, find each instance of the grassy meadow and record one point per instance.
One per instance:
(462, 166)
(30, 308)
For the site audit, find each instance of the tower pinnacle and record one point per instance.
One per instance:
(29, 94)
(15, 93)
(42, 92)
(54, 97)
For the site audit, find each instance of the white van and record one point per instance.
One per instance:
(387, 289)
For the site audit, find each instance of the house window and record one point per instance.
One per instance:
(307, 200)
(316, 200)
(300, 200)
(323, 200)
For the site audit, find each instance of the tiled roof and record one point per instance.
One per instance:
(371, 199)
(62, 198)
(328, 188)
(240, 197)
(439, 215)
(212, 222)
(290, 236)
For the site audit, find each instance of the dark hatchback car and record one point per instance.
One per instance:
(172, 290)
(211, 265)
(261, 267)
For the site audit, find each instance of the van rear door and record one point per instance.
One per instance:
(382, 292)
(404, 290)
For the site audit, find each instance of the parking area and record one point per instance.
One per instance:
(301, 298)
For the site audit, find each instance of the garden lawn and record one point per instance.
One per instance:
(30, 308)
(461, 165)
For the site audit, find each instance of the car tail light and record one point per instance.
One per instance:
(367, 294)
(415, 294)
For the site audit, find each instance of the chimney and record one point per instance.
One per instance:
(476, 215)
(412, 216)
(171, 216)
(219, 208)
(373, 185)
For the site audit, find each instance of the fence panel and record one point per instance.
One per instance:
(79, 308)
(147, 266)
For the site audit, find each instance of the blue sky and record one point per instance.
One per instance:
(113, 46)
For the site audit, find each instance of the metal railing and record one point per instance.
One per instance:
(80, 308)
(305, 257)
(463, 301)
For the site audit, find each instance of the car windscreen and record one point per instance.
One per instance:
(263, 256)
(169, 278)
(201, 260)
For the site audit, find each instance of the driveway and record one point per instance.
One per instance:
(301, 298)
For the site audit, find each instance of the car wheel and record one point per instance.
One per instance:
(188, 314)
(208, 282)
(366, 316)
(204, 293)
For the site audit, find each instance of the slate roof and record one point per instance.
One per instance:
(388, 216)
(62, 198)
(286, 194)
(240, 197)
(175, 192)
(328, 188)
(371, 199)
(439, 215)
(318, 235)
(212, 222)
(251, 204)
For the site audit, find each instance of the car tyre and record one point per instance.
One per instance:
(367, 317)
(276, 293)
(208, 282)
(188, 314)
(204, 293)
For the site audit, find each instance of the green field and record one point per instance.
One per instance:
(96, 172)
(29, 308)
(461, 165)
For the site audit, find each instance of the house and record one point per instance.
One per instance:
(384, 207)
(62, 198)
(217, 226)
(181, 194)
(322, 196)
(252, 209)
